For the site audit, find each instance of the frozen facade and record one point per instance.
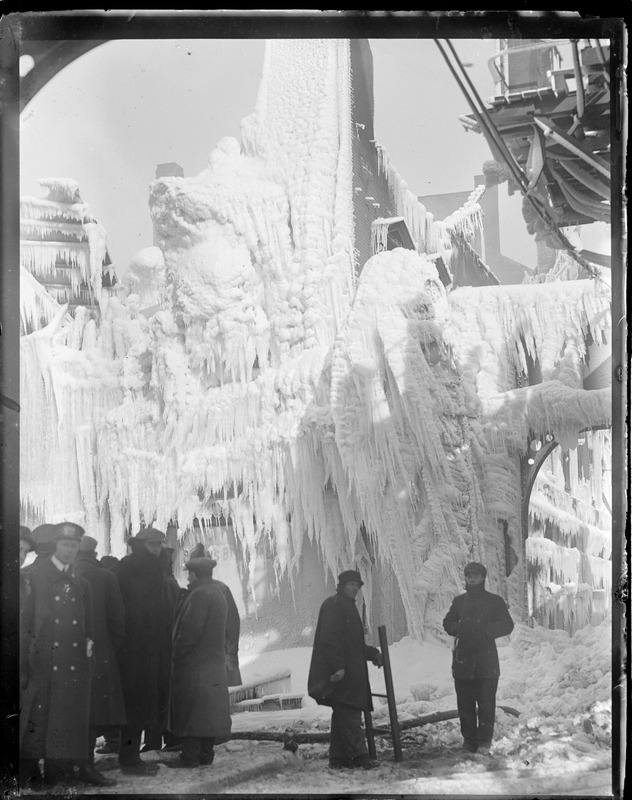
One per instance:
(314, 405)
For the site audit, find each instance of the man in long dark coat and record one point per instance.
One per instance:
(199, 705)
(149, 596)
(107, 707)
(476, 618)
(338, 674)
(233, 622)
(55, 667)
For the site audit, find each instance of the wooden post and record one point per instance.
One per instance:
(390, 693)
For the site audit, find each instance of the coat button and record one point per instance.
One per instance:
(56, 620)
(57, 597)
(72, 668)
(55, 644)
(74, 644)
(73, 599)
(55, 667)
(74, 622)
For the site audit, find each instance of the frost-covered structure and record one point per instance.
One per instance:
(63, 247)
(372, 410)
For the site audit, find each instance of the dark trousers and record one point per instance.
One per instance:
(347, 739)
(153, 740)
(112, 736)
(197, 750)
(129, 747)
(477, 728)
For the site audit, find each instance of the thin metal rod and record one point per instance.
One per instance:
(549, 132)
(579, 82)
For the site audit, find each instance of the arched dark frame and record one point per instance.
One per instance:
(49, 59)
(528, 474)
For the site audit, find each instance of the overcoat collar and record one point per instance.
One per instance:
(203, 581)
(54, 574)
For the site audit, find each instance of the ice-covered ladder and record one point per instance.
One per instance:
(393, 731)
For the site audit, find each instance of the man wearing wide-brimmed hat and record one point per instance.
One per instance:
(199, 705)
(149, 596)
(476, 618)
(55, 666)
(338, 674)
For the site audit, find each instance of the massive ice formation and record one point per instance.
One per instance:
(274, 388)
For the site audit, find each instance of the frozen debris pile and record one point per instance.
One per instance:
(562, 686)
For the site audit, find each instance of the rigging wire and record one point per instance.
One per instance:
(484, 119)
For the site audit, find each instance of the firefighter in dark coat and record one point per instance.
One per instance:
(149, 596)
(476, 618)
(338, 674)
(199, 704)
(107, 707)
(56, 667)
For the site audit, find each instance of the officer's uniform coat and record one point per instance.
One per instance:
(56, 627)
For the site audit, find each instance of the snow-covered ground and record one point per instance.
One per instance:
(560, 685)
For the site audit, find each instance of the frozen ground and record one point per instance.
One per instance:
(560, 743)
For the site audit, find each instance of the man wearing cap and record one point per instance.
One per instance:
(55, 666)
(149, 596)
(233, 622)
(107, 707)
(199, 705)
(476, 618)
(338, 674)
(43, 542)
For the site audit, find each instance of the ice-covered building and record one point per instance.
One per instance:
(64, 249)
(318, 387)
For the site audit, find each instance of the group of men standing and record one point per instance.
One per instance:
(126, 650)
(119, 651)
